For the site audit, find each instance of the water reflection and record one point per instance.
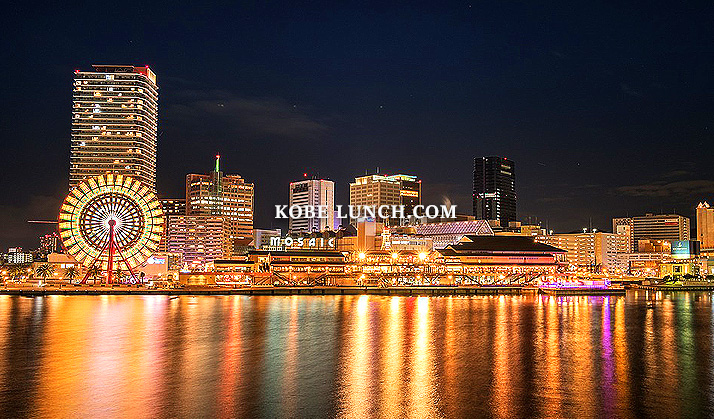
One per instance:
(357, 356)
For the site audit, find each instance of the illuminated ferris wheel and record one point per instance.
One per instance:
(111, 222)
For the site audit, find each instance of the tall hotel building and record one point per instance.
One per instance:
(313, 192)
(652, 227)
(114, 123)
(494, 194)
(378, 190)
(226, 196)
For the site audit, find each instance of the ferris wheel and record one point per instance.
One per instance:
(111, 222)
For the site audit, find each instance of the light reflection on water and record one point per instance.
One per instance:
(357, 356)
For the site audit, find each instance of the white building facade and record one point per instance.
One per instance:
(315, 193)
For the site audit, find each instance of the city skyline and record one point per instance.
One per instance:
(594, 136)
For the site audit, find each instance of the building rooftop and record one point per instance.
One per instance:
(499, 244)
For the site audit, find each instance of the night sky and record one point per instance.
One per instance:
(607, 110)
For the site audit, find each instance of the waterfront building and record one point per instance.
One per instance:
(225, 196)
(594, 251)
(494, 189)
(60, 263)
(197, 238)
(314, 193)
(705, 226)
(645, 264)
(160, 266)
(654, 227)
(504, 259)
(114, 123)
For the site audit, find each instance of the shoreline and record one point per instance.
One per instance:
(339, 290)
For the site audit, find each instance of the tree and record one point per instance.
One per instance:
(71, 273)
(18, 271)
(45, 271)
(94, 272)
(118, 274)
(15, 271)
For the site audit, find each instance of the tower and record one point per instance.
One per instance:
(494, 192)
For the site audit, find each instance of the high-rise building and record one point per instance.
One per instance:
(409, 192)
(314, 193)
(494, 193)
(652, 227)
(173, 206)
(114, 123)
(375, 191)
(50, 243)
(197, 238)
(378, 190)
(226, 196)
(705, 225)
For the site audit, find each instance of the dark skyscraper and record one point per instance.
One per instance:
(494, 189)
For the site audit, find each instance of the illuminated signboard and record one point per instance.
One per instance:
(306, 243)
(684, 249)
(153, 260)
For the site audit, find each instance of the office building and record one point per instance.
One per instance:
(197, 238)
(705, 226)
(409, 192)
(114, 123)
(170, 206)
(375, 191)
(50, 243)
(315, 193)
(379, 190)
(595, 252)
(494, 191)
(173, 206)
(226, 196)
(652, 227)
